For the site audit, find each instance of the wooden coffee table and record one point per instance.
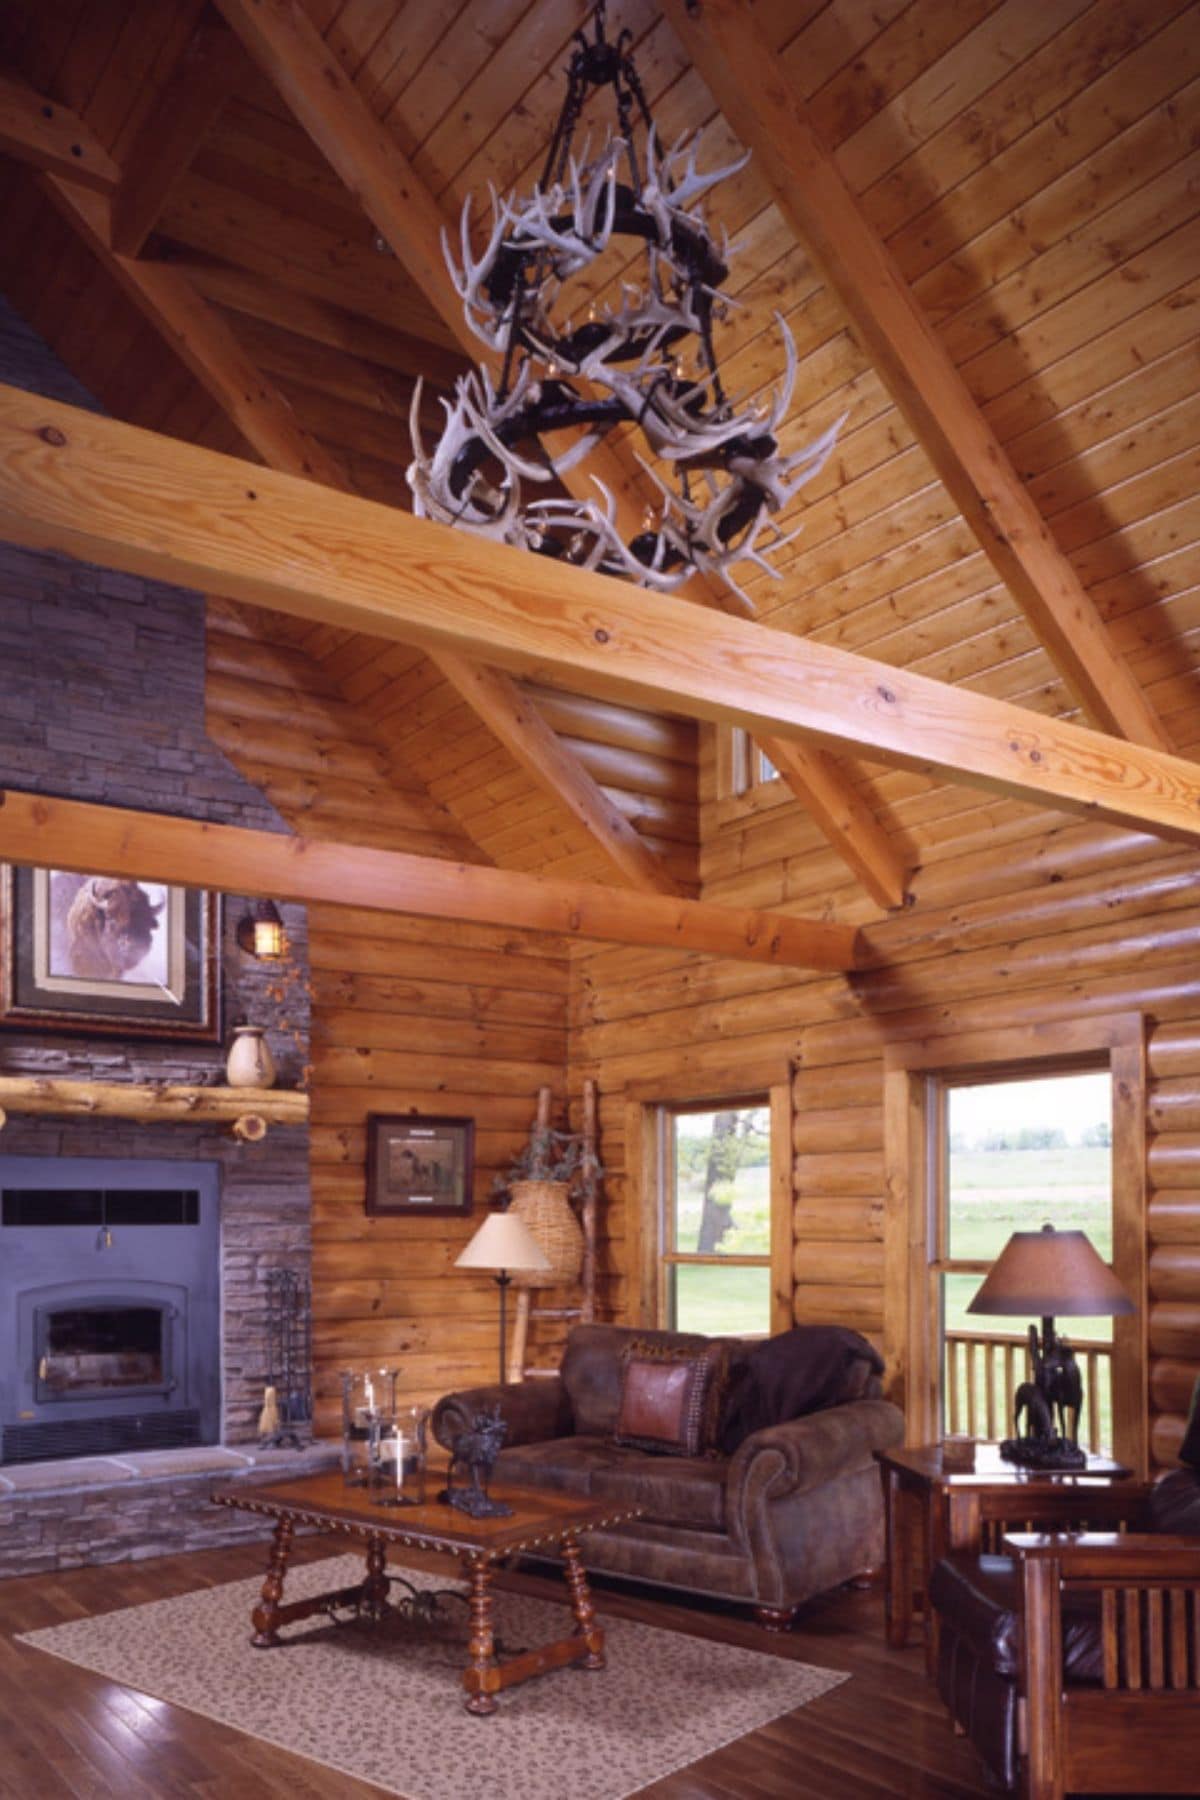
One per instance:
(539, 1521)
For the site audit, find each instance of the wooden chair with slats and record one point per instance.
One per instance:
(1137, 1730)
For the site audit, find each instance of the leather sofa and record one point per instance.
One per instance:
(791, 1510)
(1072, 1663)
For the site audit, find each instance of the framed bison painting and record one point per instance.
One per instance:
(419, 1164)
(91, 953)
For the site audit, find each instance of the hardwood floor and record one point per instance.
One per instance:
(65, 1732)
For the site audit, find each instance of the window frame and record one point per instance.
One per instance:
(739, 768)
(915, 1076)
(669, 1255)
(643, 1173)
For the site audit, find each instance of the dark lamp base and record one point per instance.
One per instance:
(474, 1504)
(1043, 1453)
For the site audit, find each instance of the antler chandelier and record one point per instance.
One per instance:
(646, 358)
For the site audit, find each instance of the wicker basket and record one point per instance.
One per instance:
(543, 1207)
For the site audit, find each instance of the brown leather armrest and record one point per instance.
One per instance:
(533, 1411)
(803, 1454)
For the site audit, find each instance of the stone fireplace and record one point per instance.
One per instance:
(104, 700)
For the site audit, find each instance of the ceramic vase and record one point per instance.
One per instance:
(249, 1063)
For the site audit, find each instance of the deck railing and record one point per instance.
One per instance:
(984, 1369)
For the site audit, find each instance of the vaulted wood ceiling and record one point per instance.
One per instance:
(1022, 180)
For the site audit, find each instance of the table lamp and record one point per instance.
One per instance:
(1049, 1272)
(503, 1243)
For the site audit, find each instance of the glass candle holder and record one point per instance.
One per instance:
(368, 1409)
(398, 1471)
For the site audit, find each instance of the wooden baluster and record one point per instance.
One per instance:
(1010, 1386)
(1156, 1674)
(953, 1407)
(972, 1396)
(1109, 1635)
(1131, 1608)
(1093, 1401)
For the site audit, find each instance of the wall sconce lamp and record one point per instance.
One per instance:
(260, 932)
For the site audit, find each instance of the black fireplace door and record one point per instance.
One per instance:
(104, 1346)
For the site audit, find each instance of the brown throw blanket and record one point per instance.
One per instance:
(800, 1371)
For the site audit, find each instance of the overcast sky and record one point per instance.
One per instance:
(1070, 1102)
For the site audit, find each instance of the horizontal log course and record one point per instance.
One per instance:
(1172, 1382)
(1173, 1160)
(1166, 1437)
(1173, 1049)
(859, 1173)
(1171, 993)
(1173, 1273)
(1173, 1216)
(826, 1304)
(1174, 1105)
(149, 1102)
(855, 1084)
(849, 1128)
(837, 1216)
(1173, 1327)
(397, 997)
(830, 1260)
(337, 1028)
(1163, 884)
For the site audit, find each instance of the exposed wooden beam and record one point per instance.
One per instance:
(144, 846)
(202, 340)
(129, 499)
(292, 53)
(52, 137)
(172, 133)
(746, 79)
(201, 337)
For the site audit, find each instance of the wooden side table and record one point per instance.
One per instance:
(971, 1509)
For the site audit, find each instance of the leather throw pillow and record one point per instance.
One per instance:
(666, 1396)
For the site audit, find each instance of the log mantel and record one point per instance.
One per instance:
(153, 1102)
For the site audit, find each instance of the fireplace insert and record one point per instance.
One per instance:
(109, 1306)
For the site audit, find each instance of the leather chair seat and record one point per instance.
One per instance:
(980, 1598)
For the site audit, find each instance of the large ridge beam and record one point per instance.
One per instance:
(145, 846)
(93, 488)
(746, 79)
(283, 40)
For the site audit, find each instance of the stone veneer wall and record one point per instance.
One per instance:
(102, 698)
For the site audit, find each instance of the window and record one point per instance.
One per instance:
(1012, 1155)
(742, 766)
(714, 1263)
(972, 1148)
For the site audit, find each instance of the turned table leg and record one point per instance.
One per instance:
(482, 1678)
(265, 1617)
(581, 1605)
(375, 1587)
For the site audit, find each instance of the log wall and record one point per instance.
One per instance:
(1023, 924)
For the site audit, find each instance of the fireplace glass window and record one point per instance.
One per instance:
(86, 1349)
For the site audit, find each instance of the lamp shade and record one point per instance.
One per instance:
(502, 1242)
(1049, 1273)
